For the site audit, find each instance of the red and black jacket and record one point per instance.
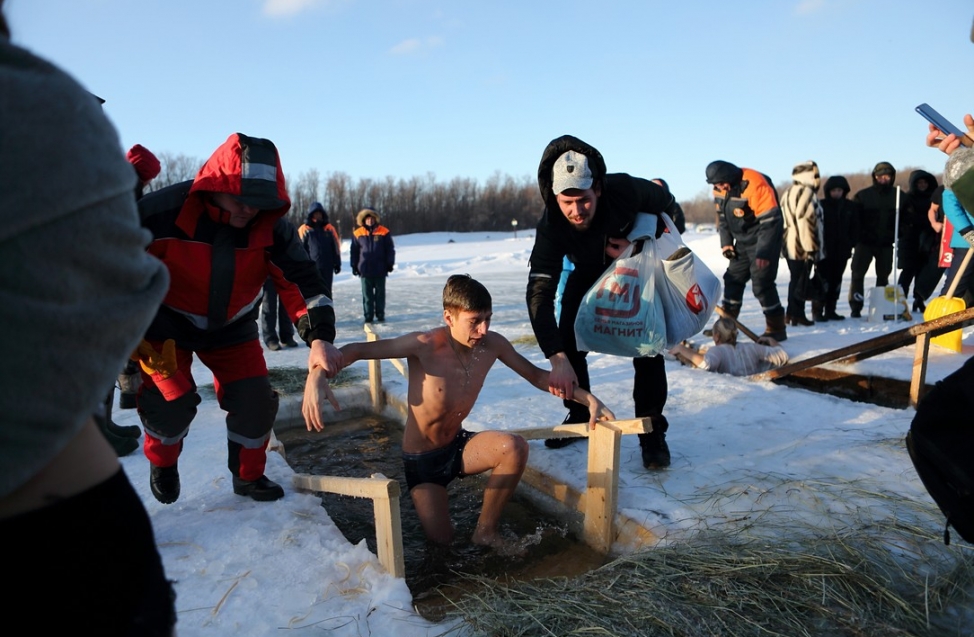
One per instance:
(214, 300)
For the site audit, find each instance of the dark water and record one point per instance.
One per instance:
(361, 447)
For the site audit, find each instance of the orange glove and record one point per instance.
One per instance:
(161, 367)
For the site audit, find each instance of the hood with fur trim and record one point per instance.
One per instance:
(366, 212)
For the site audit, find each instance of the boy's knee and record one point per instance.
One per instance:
(518, 449)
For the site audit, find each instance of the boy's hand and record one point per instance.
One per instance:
(597, 411)
(316, 391)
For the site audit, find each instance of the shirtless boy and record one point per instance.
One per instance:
(447, 368)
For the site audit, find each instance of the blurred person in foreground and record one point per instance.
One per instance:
(78, 290)
(221, 235)
(447, 370)
(585, 207)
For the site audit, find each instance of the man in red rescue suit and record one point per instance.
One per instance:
(751, 229)
(221, 235)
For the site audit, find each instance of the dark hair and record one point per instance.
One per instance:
(462, 293)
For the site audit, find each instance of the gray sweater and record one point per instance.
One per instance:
(77, 289)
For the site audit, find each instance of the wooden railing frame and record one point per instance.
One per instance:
(384, 493)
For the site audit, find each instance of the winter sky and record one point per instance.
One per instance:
(406, 88)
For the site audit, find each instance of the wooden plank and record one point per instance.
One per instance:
(918, 380)
(356, 487)
(602, 491)
(630, 426)
(388, 535)
(893, 340)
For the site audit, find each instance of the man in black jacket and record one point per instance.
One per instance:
(584, 207)
(877, 232)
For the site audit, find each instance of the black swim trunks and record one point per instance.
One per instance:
(439, 466)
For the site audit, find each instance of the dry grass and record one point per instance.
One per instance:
(773, 576)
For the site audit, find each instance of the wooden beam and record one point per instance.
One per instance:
(602, 492)
(375, 374)
(580, 430)
(919, 378)
(388, 534)
(878, 345)
(356, 487)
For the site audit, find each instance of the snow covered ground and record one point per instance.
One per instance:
(744, 454)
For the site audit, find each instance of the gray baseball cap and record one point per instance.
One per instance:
(571, 170)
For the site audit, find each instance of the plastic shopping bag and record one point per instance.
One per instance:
(621, 314)
(688, 290)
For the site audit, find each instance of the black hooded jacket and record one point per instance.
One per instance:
(841, 220)
(877, 211)
(621, 197)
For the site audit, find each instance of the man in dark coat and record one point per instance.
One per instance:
(373, 257)
(584, 207)
(877, 232)
(841, 226)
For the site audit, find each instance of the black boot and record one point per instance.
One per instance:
(164, 483)
(262, 489)
(818, 312)
(123, 431)
(655, 452)
(129, 382)
(775, 326)
(558, 443)
(123, 445)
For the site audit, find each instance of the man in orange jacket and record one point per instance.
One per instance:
(751, 228)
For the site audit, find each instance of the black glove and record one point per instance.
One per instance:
(355, 272)
(389, 268)
(338, 269)
(730, 253)
(967, 234)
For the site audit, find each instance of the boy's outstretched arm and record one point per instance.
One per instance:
(539, 378)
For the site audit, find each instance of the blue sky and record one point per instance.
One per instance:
(407, 88)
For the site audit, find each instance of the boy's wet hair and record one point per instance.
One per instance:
(462, 293)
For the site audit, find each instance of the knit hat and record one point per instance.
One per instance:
(723, 172)
(571, 171)
(146, 164)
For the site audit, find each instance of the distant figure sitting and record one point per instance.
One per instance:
(730, 357)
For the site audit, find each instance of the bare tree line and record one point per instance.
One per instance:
(423, 204)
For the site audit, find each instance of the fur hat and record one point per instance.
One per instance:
(806, 173)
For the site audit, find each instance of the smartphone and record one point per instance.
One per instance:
(942, 124)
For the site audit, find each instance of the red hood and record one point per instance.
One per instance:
(245, 167)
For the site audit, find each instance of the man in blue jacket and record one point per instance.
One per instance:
(373, 257)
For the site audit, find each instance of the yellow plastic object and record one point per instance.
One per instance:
(942, 306)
